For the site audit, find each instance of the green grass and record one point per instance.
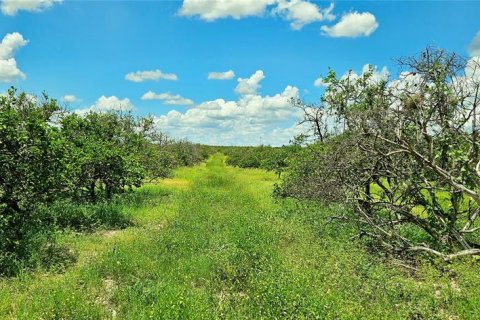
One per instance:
(211, 243)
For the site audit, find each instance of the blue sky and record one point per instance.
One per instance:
(276, 49)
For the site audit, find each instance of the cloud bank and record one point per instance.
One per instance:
(251, 119)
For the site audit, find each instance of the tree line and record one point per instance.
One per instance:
(51, 160)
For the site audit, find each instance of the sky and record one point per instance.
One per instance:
(219, 72)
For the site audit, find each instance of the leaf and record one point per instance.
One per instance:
(420, 211)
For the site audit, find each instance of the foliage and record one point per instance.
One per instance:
(404, 153)
(62, 170)
(32, 154)
(263, 157)
(106, 152)
(186, 153)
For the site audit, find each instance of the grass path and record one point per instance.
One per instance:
(212, 244)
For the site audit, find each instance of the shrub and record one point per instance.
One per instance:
(106, 152)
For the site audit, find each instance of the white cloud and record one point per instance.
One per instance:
(106, 104)
(168, 98)
(301, 12)
(10, 43)
(113, 103)
(474, 47)
(11, 7)
(282, 136)
(376, 76)
(352, 25)
(318, 82)
(227, 75)
(406, 81)
(243, 122)
(472, 69)
(154, 75)
(298, 12)
(211, 10)
(69, 98)
(9, 71)
(250, 85)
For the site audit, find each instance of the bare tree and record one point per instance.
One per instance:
(407, 158)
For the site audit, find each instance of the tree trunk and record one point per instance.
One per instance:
(93, 196)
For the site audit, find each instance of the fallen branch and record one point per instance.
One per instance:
(446, 257)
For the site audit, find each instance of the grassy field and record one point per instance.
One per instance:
(211, 243)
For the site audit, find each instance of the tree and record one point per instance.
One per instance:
(405, 152)
(107, 150)
(32, 168)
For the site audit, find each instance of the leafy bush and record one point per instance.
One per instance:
(106, 152)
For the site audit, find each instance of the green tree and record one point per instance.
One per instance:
(32, 168)
(106, 152)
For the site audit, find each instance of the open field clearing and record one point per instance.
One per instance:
(212, 244)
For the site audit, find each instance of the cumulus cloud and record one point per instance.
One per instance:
(474, 47)
(211, 10)
(168, 98)
(472, 69)
(227, 75)
(11, 7)
(301, 13)
(249, 86)
(298, 12)
(318, 82)
(10, 43)
(241, 121)
(69, 98)
(106, 104)
(113, 103)
(352, 25)
(9, 71)
(153, 75)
